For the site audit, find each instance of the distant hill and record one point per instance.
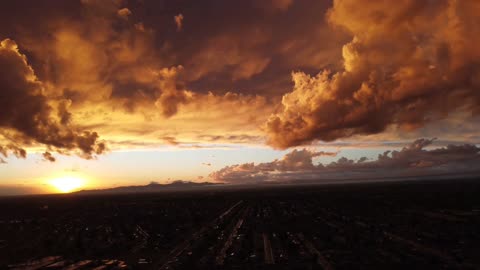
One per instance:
(179, 185)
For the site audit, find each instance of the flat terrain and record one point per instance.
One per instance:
(409, 225)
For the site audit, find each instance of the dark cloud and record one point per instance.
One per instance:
(15, 150)
(48, 157)
(28, 115)
(228, 41)
(243, 46)
(412, 160)
(124, 65)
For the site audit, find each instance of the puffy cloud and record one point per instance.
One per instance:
(178, 21)
(29, 116)
(295, 161)
(408, 63)
(412, 160)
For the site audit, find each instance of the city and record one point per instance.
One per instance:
(429, 224)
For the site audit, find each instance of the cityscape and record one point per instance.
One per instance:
(427, 224)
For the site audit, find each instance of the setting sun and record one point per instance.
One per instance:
(67, 184)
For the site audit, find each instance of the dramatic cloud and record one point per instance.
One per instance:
(28, 116)
(90, 68)
(119, 69)
(75, 70)
(408, 63)
(410, 161)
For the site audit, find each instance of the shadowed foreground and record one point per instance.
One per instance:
(429, 224)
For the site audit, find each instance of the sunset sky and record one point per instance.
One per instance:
(125, 92)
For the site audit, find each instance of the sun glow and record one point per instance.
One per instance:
(67, 184)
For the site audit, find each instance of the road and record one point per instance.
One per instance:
(267, 248)
(179, 249)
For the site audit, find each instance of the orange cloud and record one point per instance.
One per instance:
(408, 63)
(383, 68)
(124, 13)
(238, 51)
(29, 116)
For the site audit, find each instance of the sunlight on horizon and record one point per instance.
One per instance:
(67, 184)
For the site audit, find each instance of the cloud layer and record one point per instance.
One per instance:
(414, 160)
(78, 76)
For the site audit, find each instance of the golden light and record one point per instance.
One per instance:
(66, 184)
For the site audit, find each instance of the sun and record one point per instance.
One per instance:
(66, 184)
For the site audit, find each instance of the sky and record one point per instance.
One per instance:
(106, 93)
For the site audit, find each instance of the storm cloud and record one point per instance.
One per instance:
(408, 63)
(77, 76)
(28, 116)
